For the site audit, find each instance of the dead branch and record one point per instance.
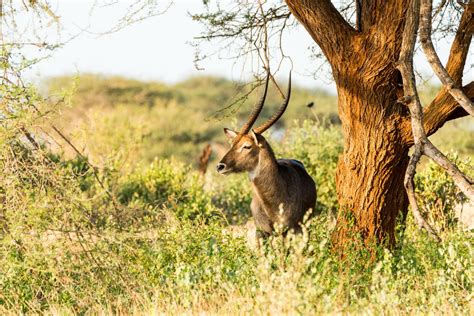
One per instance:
(421, 142)
(464, 183)
(413, 102)
(435, 62)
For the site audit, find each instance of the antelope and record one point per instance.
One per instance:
(283, 191)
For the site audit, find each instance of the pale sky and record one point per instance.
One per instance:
(158, 48)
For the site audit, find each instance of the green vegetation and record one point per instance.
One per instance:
(145, 233)
(164, 121)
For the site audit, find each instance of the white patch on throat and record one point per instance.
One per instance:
(255, 172)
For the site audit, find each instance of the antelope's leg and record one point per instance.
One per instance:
(262, 222)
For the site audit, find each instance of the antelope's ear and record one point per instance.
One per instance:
(254, 137)
(230, 133)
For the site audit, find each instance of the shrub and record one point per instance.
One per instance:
(233, 194)
(166, 184)
(318, 146)
(438, 194)
(152, 241)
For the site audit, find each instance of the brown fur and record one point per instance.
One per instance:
(281, 184)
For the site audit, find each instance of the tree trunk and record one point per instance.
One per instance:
(377, 129)
(371, 169)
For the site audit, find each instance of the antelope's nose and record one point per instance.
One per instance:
(220, 166)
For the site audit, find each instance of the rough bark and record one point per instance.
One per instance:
(377, 128)
(370, 171)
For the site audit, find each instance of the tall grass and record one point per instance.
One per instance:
(161, 244)
(149, 236)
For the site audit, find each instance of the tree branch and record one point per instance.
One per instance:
(325, 25)
(444, 108)
(412, 100)
(460, 47)
(433, 59)
(358, 4)
(464, 183)
(421, 141)
(387, 15)
(441, 110)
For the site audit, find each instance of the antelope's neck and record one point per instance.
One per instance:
(265, 177)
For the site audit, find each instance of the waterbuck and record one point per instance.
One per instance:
(282, 189)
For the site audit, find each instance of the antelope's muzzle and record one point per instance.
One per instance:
(222, 168)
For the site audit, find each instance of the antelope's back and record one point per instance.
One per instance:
(299, 181)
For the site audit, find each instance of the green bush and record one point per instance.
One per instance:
(166, 184)
(438, 194)
(233, 194)
(127, 121)
(128, 238)
(66, 242)
(318, 146)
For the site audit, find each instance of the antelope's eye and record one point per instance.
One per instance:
(246, 146)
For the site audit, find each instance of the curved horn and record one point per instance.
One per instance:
(262, 128)
(256, 110)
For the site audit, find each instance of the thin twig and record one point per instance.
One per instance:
(266, 58)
